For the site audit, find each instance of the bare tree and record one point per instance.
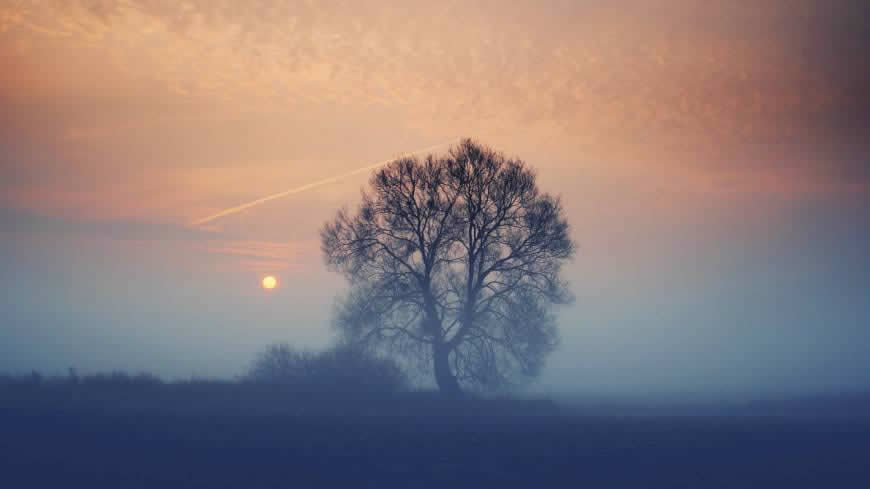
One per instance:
(454, 261)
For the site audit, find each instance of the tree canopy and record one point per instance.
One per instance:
(454, 262)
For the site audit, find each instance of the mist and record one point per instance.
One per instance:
(781, 310)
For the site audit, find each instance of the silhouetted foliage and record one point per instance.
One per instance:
(121, 379)
(111, 379)
(341, 369)
(454, 263)
(279, 363)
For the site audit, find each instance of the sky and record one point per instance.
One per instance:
(712, 158)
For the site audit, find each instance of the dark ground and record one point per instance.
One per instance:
(71, 448)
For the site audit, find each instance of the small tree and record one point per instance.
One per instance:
(281, 364)
(341, 369)
(454, 261)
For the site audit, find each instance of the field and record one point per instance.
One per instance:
(99, 445)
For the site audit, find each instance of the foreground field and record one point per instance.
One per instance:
(118, 449)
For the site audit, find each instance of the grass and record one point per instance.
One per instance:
(137, 431)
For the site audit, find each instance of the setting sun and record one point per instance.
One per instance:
(269, 282)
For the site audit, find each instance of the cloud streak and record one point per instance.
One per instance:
(309, 186)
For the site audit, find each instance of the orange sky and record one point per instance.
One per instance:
(166, 111)
(255, 88)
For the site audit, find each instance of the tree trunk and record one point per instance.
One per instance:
(447, 383)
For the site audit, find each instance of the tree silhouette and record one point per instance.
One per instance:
(454, 261)
(340, 369)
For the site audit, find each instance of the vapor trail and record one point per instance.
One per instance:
(325, 181)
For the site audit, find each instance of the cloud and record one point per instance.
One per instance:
(219, 248)
(723, 71)
(265, 256)
(12, 221)
(203, 83)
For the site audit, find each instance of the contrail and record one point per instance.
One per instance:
(325, 181)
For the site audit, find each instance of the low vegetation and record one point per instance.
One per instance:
(281, 380)
(340, 369)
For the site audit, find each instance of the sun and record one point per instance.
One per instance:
(269, 282)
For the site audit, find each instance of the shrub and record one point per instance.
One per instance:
(339, 370)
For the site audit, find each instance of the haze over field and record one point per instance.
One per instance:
(712, 161)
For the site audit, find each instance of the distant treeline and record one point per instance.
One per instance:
(281, 380)
(122, 392)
